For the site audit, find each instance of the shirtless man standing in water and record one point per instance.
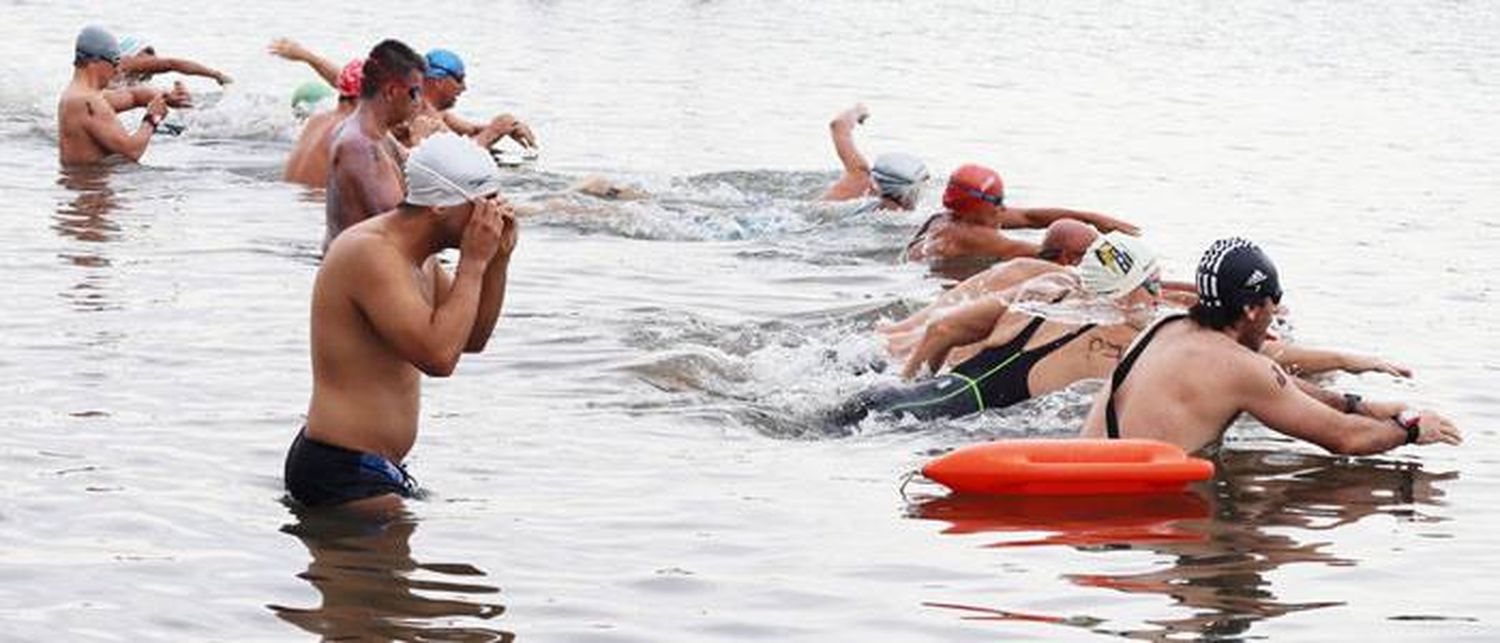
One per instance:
(1188, 377)
(87, 130)
(384, 312)
(365, 167)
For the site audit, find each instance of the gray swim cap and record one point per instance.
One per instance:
(446, 169)
(900, 176)
(94, 43)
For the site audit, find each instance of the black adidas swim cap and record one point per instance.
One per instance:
(1235, 272)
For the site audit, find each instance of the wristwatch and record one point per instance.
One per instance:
(1412, 422)
(153, 120)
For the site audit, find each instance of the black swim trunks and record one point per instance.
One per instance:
(995, 378)
(319, 474)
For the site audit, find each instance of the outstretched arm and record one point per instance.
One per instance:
(1301, 360)
(1043, 217)
(159, 65)
(1286, 407)
(965, 324)
(294, 51)
(993, 243)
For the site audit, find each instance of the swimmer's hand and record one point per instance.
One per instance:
(222, 78)
(179, 97)
(288, 49)
(157, 108)
(512, 230)
(1368, 364)
(1433, 428)
(855, 115)
(484, 233)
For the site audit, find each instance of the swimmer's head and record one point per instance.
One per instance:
(1237, 284)
(351, 79)
(1066, 242)
(445, 78)
(446, 171)
(974, 191)
(308, 95)
(131, 46)
(95, 45)
(900, 177)
(393, 75)
(1116, 265)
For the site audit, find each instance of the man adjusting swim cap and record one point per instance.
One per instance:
(447, 169)
(1234, 272)
(900, 177)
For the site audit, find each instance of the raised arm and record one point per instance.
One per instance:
(1043, 217)
(431, 337)
(102, 126)
(492, 293)
(159, 65)
(1282, 404)
(295, 52)
(842, 129)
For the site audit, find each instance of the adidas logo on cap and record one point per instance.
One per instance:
(1255, 279)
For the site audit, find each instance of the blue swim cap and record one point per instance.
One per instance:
(443, 63)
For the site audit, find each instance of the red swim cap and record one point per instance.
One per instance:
(972, 186)
(352, 78)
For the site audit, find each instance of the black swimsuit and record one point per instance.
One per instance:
(993, 379)
(1111, 422)
(319, 474)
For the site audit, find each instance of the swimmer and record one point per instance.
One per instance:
(896, 178)
(1010, 356)
(1189, 376)
(87, 130)
(969, 230)
(384, 312)
(441, 88)
(139, 63)
(309, 160)
(364, 176)
(1002, 359)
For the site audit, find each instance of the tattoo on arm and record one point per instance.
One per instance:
(1109, 349)
(1280, 376)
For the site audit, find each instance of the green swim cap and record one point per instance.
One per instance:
(309, 94)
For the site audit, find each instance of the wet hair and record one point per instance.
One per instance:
(1221, 317)
(388, 62)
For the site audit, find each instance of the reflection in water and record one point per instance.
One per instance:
(1221, 564)
(85, 217)
(369, 583)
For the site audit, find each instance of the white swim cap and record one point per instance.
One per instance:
(446, 169)
(900, 176)
(1115, 264)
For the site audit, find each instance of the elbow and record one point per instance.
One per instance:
(439, 365)
(476, 345)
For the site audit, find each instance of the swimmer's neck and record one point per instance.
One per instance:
(417, 233)
(82, 78)
(374, 118)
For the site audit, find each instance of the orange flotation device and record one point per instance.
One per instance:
(1068, 467)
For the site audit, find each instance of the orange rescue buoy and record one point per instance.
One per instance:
(1068, 467)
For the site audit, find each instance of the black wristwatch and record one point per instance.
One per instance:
(1351, 402)
(1412, 422)
(152, 120)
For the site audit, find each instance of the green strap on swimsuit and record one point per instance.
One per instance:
(971, 385)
